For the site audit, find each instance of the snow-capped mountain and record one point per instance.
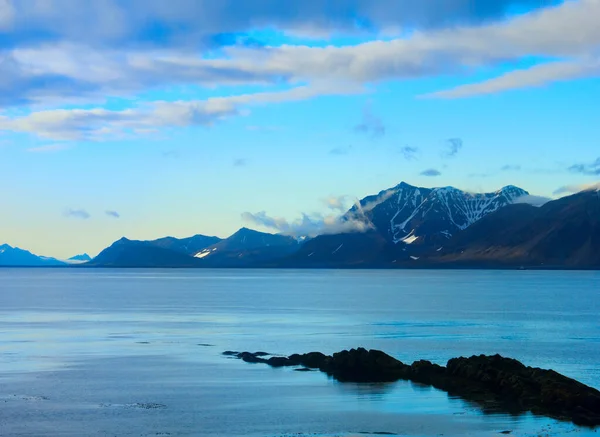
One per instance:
(429, 216)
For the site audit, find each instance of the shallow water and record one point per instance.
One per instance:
(138, 352)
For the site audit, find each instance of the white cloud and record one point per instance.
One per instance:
(308, 225)
(69, 69)
(7, 14)
(206, 22)
(72, 68)
(533, 200)
(572, 189)
(337, 203)
(535, 76)
(100, 124)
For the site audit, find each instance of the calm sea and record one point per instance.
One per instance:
(138, 352)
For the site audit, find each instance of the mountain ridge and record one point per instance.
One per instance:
(406, 227)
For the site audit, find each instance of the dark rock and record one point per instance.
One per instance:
(312, 360)
(279, 362)
(304, 369)
(250, 358)
(487, 380)
(361, 365)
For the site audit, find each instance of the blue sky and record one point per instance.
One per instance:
(152, 118)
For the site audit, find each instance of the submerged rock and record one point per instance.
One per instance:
(506, 382)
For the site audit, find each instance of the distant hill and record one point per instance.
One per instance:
(79, 259)
(564, 233)
(248, 248)
(15, 257)
(189, 246)
(132, 253)
(245, 248)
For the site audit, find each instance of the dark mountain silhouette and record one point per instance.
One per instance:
(188, 246)
(248, 248)
(564, 233)
(367, 249)
(132, 253)
(245, 248)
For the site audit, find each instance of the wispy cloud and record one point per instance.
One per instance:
(533, 200)
(431, 172)
(170, 154)
(77, 213)
(509, 167)
(313, 224)
(576, 188)
(370, 124)
(49, 148)
(536, 76)
(338, 203)
(592, 169)
(409, 153)
(112, 214)
(452, 147)
(344, 150)
(308, 225)
(100, 124)
(240, 162)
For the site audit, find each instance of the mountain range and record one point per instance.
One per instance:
(15, 257)
(405, 227)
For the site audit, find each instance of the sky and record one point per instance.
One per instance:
(147, 118)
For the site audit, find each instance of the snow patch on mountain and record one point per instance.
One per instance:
(416, 215)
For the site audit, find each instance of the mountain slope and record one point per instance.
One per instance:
(429, 216)
(247, 248)
(131, 253)
(187, 246)
(367, 249)
(563, 233)
(15, 257)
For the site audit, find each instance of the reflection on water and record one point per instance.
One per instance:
(85, 350)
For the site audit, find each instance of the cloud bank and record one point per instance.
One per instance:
(55, 52)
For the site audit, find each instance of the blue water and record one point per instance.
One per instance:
(138, 352)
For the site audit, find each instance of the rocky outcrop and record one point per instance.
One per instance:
(504, 382)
